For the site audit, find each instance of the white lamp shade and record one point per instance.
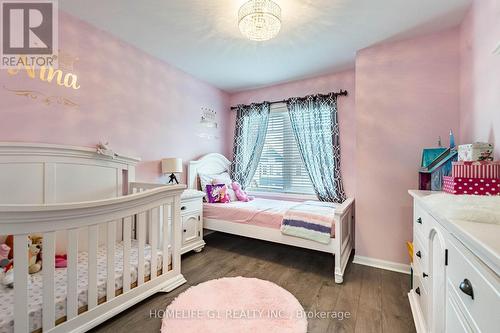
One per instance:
(171, 165)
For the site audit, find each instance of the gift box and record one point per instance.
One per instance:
(479, 151)
(475, 186)
(478, 169)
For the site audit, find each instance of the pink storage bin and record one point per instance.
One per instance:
(473, 186)
(477, 169)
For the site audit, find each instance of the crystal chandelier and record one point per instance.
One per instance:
(259, 20)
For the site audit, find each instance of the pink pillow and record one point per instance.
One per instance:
(217, 193)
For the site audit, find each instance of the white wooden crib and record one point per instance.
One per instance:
(79, 202)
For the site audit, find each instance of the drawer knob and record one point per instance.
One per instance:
(418, 254)
(419, 220)
(425, 275)
(185, 230)
(417, 291)
(183, 208)
(466, 288)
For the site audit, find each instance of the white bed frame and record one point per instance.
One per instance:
(340, 246)
(35, 178)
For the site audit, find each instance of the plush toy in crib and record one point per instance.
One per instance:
(34, 254)
(7, 274)
(240, 194)
(9, 241)
(6, 271)
(4, 254)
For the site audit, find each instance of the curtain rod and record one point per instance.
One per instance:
(340, 93)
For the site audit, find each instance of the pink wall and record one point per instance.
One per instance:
(406, 96)
(142, 106)
(480, 79)
(322, 84)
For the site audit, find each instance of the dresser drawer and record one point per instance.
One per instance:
(190, 206)
(467, 275)
(422, 222)
(421, 260)
(422, 297)
(455, 320)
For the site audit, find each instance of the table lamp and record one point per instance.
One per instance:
(172, 166)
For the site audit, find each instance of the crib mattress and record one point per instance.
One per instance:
(36, 283)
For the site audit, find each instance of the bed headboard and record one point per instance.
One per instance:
(213, 163)
(38, 173)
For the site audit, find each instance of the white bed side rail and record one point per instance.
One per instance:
(153, 209)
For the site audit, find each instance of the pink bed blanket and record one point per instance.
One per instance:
(269, 213)
(260, 212)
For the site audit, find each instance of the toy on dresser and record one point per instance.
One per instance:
(475, 172)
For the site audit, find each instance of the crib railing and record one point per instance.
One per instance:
(155, 212)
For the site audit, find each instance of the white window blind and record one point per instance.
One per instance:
(281, 168)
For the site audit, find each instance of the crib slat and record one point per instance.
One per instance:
(153, 233)
(48, 270)
(165, 241)
(72, 271)
(176, 230)
(92, 266)
(127, 234)
(21, 284)
(110, 263)
(141, 240)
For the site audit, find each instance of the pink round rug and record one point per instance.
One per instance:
(235, 305)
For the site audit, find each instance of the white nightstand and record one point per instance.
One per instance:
(192, 221)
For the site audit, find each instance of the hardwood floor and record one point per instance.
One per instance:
(376, 299)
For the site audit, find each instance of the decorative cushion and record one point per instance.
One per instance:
(221, 178)
(217, 193)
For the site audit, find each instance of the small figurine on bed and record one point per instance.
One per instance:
(240, 194)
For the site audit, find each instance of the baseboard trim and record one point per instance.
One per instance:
(383, 264)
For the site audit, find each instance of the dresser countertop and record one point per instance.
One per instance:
(482, 239)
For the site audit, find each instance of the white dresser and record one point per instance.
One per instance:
(456, 284)
(192, 221)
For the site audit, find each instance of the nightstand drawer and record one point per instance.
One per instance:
(190, 206)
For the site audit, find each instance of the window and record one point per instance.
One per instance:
(281, 168)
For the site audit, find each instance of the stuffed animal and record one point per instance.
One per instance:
(34, 255)
(7, 274)
(38, 240)
(4, 254)
(103, 149)
(9, 241)
(240, 194)
(6, 271)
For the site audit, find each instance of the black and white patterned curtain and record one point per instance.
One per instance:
(316, 129)
(250, 134)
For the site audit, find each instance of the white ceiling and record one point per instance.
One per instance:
(202, 38)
